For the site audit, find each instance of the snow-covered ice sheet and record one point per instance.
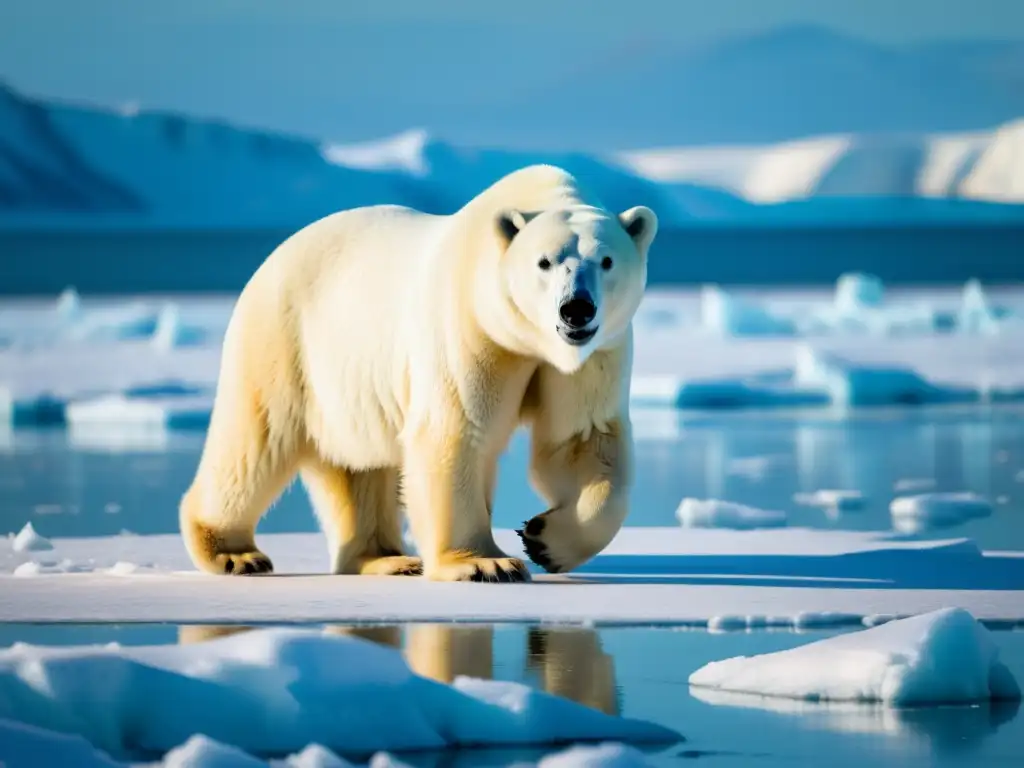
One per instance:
(940, 657)
(157, 360)
(789, 576)
(345, 693)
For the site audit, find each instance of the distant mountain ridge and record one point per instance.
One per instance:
(73, 166)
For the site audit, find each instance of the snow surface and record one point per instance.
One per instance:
(941, 657)
(925, 511)
(715, 513)
(153, 364)
(792, 577)
(345, 693)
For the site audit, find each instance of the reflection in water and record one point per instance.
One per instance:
(564, 661)
(943, 729)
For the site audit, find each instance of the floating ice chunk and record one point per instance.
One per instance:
(975, 314)
(173, 412)
(170, 332)
(121, 323)
(318, 756)
(68, 307)
(28, 540)
(729, 315)
(203, 752)
(31, 568)
(608, 755)
(350, 695)
(715, 513)
(924, 511)
(943, 657)
(122, 568)
(857, 290)
(851, 384)
(842, 501)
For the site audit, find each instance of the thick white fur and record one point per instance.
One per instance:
(383, 346)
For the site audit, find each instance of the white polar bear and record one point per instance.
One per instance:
(383, 352)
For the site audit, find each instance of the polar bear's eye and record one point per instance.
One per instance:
(544, 264)
(606, 263)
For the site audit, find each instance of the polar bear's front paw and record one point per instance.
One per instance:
(491, 569)
(243, 563)
(552, 542)
(532, 536)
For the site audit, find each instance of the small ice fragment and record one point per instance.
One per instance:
(831, 499)
(715, 513)
(938, 658)
(607, 755)
(30, 541)
(913, 514)
(857, 290)
(122, 568)
(30, 568)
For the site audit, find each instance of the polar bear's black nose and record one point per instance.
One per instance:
(578, 310)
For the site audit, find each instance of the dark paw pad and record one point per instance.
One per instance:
(248, 565)
(536, 550)
(535, 527)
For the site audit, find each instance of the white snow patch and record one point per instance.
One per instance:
(921, 512)
(28, 540)
(715, 513)
(942, 657)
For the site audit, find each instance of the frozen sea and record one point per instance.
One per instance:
(796, 537)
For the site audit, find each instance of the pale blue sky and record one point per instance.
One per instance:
(272, 63)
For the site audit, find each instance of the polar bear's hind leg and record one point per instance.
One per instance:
(359, 513)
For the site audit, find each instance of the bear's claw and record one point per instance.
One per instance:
(504, 570)
(245, 564)
(536, 549)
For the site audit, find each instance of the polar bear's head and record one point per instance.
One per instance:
(574, 277)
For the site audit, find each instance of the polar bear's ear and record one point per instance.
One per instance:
(641, 224)
(510, 223)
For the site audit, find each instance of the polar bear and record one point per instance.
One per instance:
(386, 356)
